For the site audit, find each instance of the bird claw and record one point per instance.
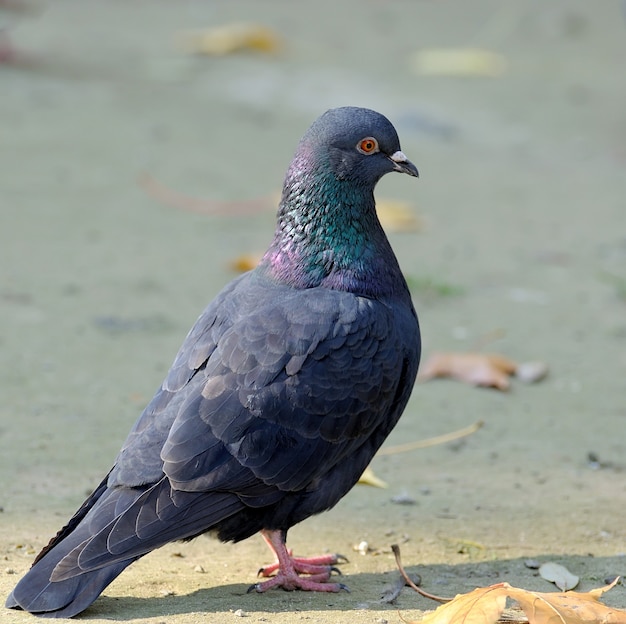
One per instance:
(289, 582)
(286, 571)
(307, 565)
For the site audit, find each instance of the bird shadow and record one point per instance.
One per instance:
(233, 598)
(370, 591)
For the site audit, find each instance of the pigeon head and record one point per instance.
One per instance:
(356, 144)
(328, 233)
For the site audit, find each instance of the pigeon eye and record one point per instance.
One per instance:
(367, 146)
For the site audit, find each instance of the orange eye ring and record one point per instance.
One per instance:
(367, 146)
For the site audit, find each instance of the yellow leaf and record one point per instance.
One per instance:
(369, 478)
(243, 263)
(231, 38)
(458, 62)
(397, 216)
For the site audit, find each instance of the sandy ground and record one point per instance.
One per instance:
(521, 197)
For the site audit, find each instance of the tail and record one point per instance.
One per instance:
(113, 528)
(61, 599)
(38, 594)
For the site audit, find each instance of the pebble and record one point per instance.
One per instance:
(531, 372)
(403, 499)
(362, 547)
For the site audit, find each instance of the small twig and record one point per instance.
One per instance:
(396, 552)
(169, 197)
(442, 439)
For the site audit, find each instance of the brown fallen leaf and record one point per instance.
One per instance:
(485, 605)
(571, 607)
(481, 606)
(478, 369)
(231, 38)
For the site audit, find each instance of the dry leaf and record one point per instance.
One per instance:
(481, 606)
(478, 369)
(486, 604)
(396, 216)
(369, 478)
(243, 263)
(559, 575)
(231, 38)
(567, 607)
(458, 62)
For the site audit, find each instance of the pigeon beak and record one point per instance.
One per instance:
(402, 164)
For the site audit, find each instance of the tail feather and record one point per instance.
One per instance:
(122, 526)
(39, 595)
(138, 530)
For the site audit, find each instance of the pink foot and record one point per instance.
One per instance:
(289, 568)
(307, 565)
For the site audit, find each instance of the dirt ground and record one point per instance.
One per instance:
(522, 251)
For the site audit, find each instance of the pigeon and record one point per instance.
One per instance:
(279, 397)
